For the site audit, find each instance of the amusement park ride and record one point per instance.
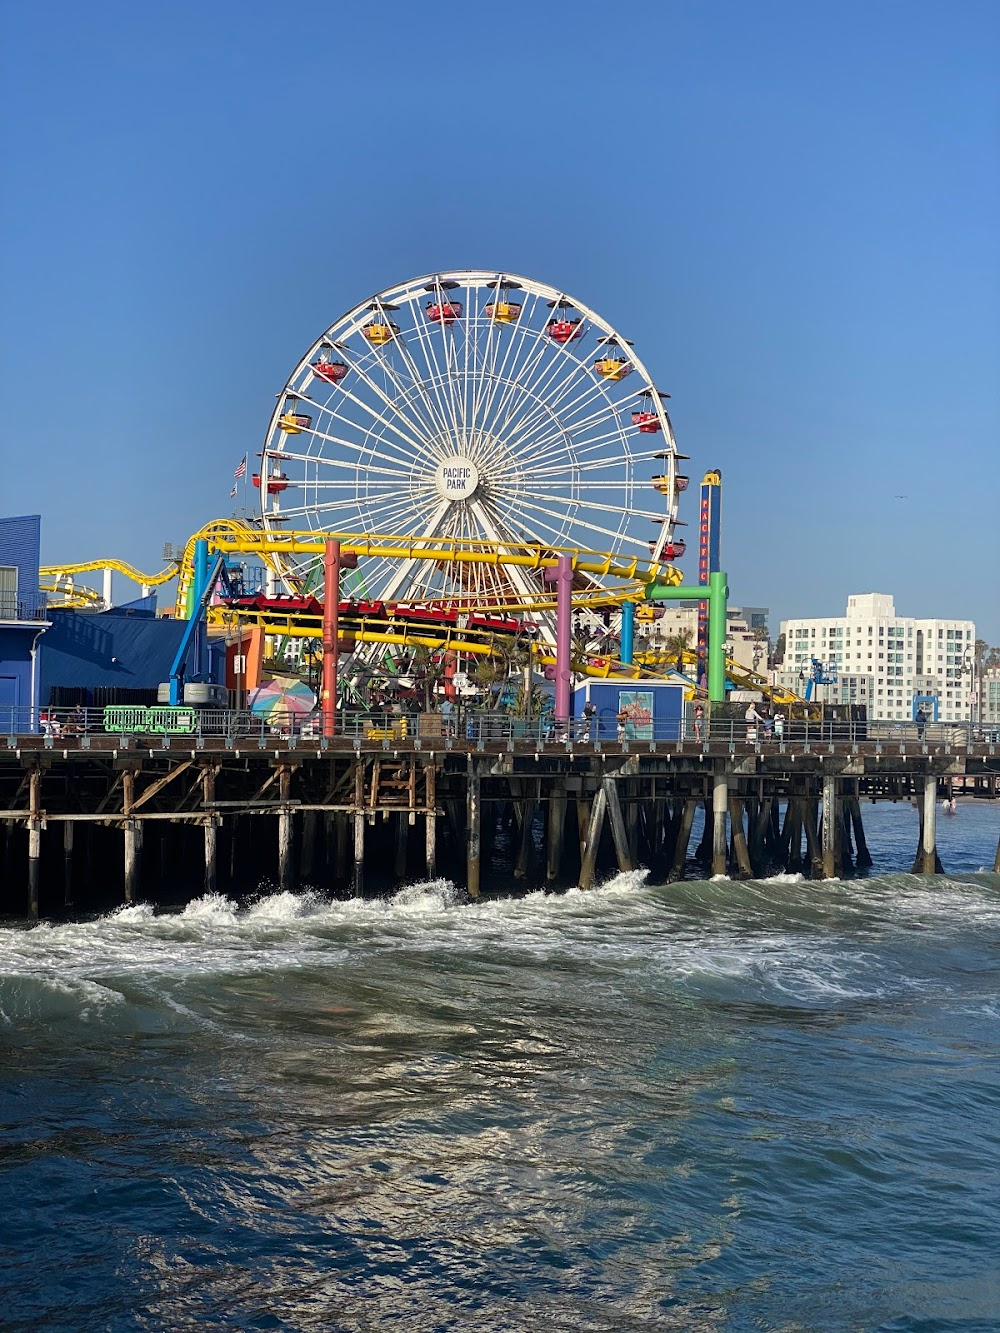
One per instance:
(466, 439)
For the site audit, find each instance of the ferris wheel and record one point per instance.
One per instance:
(479, 408)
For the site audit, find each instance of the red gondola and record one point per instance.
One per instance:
(275, 483)
(563, 330)
(331, 371)
(648, 422)
(444, 312)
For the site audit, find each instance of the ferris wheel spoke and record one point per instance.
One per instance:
(403, 574)
(572, 520)
(515, 574)
(415, 437)
(417, 378)
(561, 453)
(427, 335)
(564, 368)
(555, 443)
(515, 347)
(546, 411)
(402, 460)
(595, 506)
(541, 394)
(360, 449)
(436, 377)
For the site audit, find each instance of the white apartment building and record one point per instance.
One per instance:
(883, 660)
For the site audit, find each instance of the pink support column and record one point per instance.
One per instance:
(562, 577)
(331, 646)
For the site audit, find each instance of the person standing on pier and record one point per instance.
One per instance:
(699, 721)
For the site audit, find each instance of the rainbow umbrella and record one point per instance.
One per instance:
(282, 699)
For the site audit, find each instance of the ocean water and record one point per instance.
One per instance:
(771, 1105)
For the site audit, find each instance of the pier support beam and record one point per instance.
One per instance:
(862, 859)
(618, 834)
(430, 822)
(813, 850)
(555, 838)
(473, 833)
(133, 837)
(594, 829)
(68, 827)
(831, 827)
(741, 854)
(683, 838)
(211, 832)
(358, 871)
(720, 802)
(286, 833)
(523, 863)
(927, 862)
(34, 841)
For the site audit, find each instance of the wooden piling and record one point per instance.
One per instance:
(211, 832)
(830, 827)
(133, 837)
(286, 832)
(720, 801)
(618, 834)
(741, 853)
(807, 806)
(554, 839)
(683, 838)
(927, 862)
(402, 844)
(68, 827)
(34, 841)
(862, 858)
(430, 822)
(595, 827)
(473, 831)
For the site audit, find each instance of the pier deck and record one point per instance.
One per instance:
(135, 813)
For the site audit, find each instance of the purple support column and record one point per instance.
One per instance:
(562, 577)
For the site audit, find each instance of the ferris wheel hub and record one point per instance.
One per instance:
(456, 478)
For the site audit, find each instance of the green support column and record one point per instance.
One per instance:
(718, 591)
(715, 594)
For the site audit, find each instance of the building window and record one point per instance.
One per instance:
(8, 592)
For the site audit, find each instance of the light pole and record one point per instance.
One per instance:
(968, 668)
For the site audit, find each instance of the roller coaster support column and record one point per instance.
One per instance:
(562, 577)
(717, 593)
(334, 560)
(628, 633)
(331, 647)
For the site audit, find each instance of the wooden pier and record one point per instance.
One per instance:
(99, 819)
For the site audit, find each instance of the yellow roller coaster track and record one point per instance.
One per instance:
(236, 538)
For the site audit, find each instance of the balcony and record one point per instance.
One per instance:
(15, 608)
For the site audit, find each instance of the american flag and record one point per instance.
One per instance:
(241, 471)
(232, 492)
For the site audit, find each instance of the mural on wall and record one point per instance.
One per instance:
(638, 707)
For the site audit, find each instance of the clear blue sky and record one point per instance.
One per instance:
(792, 208)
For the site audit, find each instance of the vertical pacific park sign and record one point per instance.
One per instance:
(456, 478)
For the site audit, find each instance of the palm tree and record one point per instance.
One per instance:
(677, 644)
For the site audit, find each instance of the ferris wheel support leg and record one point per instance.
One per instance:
(562, 577)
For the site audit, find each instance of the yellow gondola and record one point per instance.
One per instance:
(612, 367)
(380, 334)
(504, 312)
(294, 423)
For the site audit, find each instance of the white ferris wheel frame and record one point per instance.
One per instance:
(420, 406)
